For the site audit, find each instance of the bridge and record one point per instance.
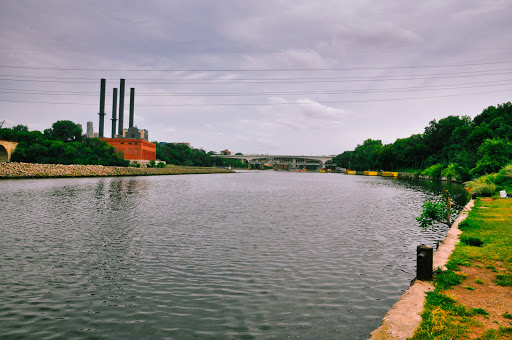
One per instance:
(284, 162)
(6, 150)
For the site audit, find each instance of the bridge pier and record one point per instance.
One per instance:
(6, 150)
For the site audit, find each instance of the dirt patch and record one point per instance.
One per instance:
(484, 293)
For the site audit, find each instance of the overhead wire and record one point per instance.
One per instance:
(248, 94)
(267, 104)
(256, 70)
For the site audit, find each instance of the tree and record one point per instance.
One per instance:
(436, 212)
(66, 131)
(493, 155)
(20, 128)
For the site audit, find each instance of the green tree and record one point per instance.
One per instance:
(66, 131)
(20, 128)
(493, 155)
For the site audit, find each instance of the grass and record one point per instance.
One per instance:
(501, 333)
(486, 242)
(504, 280)
(507, 315)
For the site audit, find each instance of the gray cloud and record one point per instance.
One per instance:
(314, 111)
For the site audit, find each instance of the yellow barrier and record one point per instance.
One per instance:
(389, 174)
(351, 172)
(371, 173)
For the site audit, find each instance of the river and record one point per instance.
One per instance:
(249, 255)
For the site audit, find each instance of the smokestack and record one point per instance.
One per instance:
(132, 103)
(102, 107)
(121, 107)
(114, 112)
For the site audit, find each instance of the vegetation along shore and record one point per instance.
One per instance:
(472, 298)
(32, 170)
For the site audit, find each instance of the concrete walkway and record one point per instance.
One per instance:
(405, 316)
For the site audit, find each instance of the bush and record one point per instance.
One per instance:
(483, 186)
(434, 171)
(455, 172)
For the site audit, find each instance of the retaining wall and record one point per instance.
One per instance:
(32, 170)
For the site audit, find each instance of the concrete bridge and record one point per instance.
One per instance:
(284, 162)
(6, 150)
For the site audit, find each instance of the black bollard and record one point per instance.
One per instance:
(424, 257)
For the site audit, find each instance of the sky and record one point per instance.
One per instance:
(258, 77)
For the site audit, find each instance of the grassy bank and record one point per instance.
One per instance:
(32, 170)
(473, 298)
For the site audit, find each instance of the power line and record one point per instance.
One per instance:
(248, 94)
(447, 86)
(266, 104)
(268, 81)
(255, 70)
(248, 79)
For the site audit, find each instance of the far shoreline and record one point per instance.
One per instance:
(15, 170)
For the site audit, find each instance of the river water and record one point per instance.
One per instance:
(251, 255)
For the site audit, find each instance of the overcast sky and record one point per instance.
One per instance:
(264, 76)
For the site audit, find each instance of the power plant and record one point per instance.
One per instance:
(132, 143)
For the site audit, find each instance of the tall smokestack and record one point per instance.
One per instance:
(102, 107)
(132, 103)
(114, 113)
(121, 107)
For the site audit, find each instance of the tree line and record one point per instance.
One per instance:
(182, 154)
(456, 146)
(63, 143)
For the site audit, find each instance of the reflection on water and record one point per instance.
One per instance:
(247, 255)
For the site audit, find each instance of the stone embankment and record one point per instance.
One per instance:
(32, 170)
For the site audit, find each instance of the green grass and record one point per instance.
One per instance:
(507, 315)
(446, 279)
(504, 280)
(501, 333)
(486, 242)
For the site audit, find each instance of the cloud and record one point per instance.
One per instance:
(352, 38)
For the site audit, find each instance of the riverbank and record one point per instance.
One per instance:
(404, 317)
(473, 297)
(407, 175)
(33, 170)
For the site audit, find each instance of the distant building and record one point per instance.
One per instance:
(225, 152)
(135, 133)
(133, 149)
(90, 130)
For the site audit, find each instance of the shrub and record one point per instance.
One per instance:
(434, 171)
(455, 172)
(483, 186)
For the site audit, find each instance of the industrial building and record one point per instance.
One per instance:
(132, 143)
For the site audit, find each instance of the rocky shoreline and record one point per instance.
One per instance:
(33, 170)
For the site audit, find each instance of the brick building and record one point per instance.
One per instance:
(134, 149)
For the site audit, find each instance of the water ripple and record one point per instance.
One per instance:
(257, 255)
